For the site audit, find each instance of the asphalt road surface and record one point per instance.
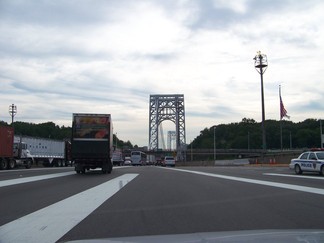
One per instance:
(56, 204)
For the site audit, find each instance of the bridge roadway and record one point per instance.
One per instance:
(55, 204)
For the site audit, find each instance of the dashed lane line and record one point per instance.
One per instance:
(51, 223)
(33, 178)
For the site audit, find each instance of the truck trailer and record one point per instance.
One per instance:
(48, 152)
(91, 143)
(13, 153)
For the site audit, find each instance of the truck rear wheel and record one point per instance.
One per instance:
(107, 168)
(3, 164)
(110, 166)
(12, 164)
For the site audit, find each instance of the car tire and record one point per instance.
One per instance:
(322, 170)
(298, 170)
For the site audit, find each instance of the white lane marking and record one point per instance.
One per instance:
(33, 169)
(51, 223)
(38, 178)
(260, 182)
(296, 176)
(33, 178)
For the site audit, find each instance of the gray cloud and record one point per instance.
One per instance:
(59, 57)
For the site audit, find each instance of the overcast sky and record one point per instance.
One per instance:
(63, 57)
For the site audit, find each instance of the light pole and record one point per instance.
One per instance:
(116, 141)
(12, 112)
(191, 150)
(214, 144)
(261, 64)
(321, 131)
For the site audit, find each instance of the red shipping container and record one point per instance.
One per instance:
(6, 141)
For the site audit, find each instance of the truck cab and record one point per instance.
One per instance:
(22, 154)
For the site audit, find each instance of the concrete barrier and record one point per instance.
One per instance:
(234, 162)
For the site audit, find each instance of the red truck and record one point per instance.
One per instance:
(12, 153)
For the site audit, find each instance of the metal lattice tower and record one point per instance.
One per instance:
(168, 107)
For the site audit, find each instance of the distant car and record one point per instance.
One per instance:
(127, 161)
(311, 161)
(168, 161)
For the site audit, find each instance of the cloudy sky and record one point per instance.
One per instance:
(103, 56)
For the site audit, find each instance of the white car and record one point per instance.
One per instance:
(311, 161)
(168, 161)
(127, 161)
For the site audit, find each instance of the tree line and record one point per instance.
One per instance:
(247, 134)
(53, 131)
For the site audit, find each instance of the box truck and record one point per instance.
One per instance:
(91, 143)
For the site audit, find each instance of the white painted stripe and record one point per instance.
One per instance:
(33, 178)
(33, 169)
(51, 223)
(260, 182)
(296, 176)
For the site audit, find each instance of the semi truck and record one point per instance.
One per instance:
(45, 151)
(91, 143)
(13, 154)
(16, 150)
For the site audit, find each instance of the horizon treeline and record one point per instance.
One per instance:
(247, 134)
(53, 131)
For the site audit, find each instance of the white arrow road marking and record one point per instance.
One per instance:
(51, 223)
(260, 182)
(33, 178)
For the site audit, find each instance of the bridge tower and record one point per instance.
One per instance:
(167, 107)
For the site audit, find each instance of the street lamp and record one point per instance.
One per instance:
(12, 112)
(116, 141)
(261, 64)
(214, 144)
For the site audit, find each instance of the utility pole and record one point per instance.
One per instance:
(321, 133)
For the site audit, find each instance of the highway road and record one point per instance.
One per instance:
(56, 204)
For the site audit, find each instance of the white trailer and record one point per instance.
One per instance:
(117, 157)
(50, 152)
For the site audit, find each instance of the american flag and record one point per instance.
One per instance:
(283, 111)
